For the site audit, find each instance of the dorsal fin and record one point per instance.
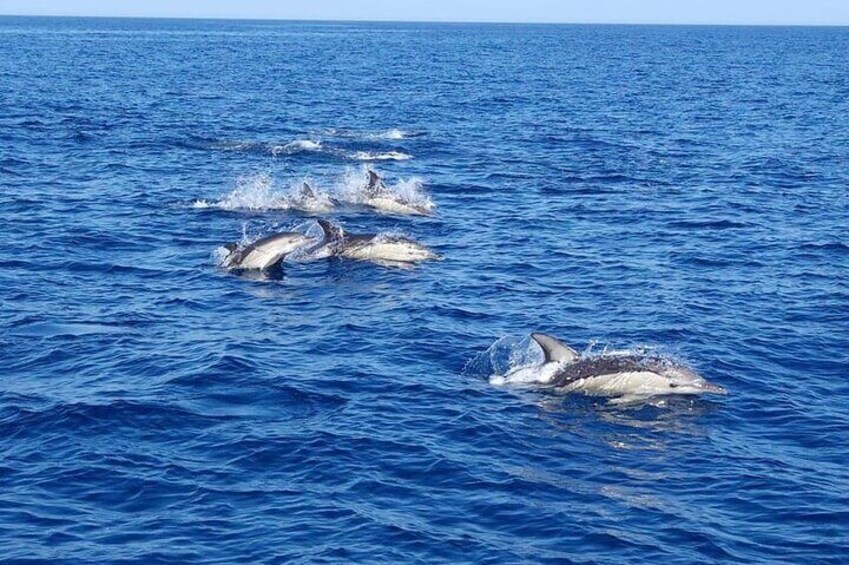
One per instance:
(307, 191)
(331, 232)
(554, 350)
(375, 184)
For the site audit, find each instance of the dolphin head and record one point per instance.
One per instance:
(229, 255)
(682, 380)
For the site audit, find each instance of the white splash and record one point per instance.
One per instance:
(404, 197)
(258, 192)
(252, 192)
(297, 146)
(316, 201)
(392, 134)
(385, 156)
(515, 361)
(412, 190)
(220, 256)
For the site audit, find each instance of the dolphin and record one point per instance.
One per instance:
(307, 199)
(375, 185)
(306, 191)
(264, 253)
(625, 377)
(380, 198)
(379, 248)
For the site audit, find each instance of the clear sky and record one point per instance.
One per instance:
(828, 12)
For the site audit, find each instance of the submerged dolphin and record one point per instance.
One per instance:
(379, 197)
(379, 248)
(628, 377)
(264, 253)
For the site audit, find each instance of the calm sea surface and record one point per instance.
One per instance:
(681, 189)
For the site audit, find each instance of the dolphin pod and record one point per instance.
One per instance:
(368, 192)
(625, 378)
(269, 252)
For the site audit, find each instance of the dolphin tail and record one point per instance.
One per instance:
(555, 351)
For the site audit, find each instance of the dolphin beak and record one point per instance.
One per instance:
(712, 388)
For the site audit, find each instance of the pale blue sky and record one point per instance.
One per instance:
(828, 12)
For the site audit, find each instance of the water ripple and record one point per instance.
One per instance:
(621, 187)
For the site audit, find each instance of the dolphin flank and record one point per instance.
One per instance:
(378, 248)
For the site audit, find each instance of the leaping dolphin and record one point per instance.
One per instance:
(627, 377)
(264, 253)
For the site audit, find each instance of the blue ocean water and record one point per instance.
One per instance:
(682, 189)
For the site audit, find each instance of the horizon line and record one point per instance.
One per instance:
(397, 21)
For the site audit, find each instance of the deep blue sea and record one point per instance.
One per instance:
(676, 189)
